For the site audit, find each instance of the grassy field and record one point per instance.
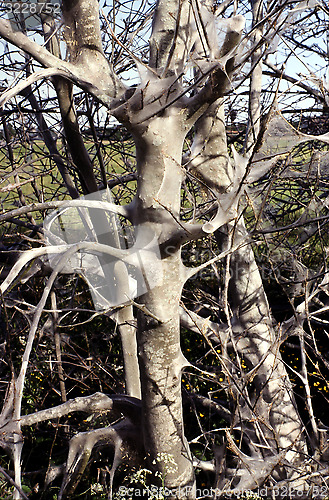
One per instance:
(28, 175)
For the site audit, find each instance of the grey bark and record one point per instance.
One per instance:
(252, 335)
(255, 76)
(159, 115)
(157, 203)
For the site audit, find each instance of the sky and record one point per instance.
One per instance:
(297, 65)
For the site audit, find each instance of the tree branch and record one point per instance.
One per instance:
(170, 41)
(38, 52)
(104, 88)
(280, 73)
(129, 406)
(118, 209)
(192, 321)
(44, 73)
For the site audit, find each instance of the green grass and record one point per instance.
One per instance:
(34, 177)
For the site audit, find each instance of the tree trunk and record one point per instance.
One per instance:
(157, 204)
(258, 343)
(272, 407)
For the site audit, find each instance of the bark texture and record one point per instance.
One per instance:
(182, 87)
(159, 149)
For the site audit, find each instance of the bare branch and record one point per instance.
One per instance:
(98, 402)
(118, 209)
